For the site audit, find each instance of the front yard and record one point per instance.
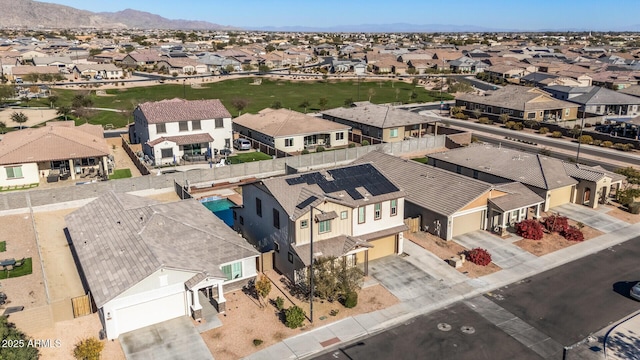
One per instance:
(551, 242)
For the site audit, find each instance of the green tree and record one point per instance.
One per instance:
(269, 48)
(31, 77)
(577, 130)
(504, 118)
(53, 99)
(263, 69)
(9, 332)
(294, 317)
(64, 111)
(322, 102)
(229, 68)
(530, 123)
(371, 92)
(477, 113)
(239, 104)
(7, 92)
(19, 117)
(81, 101)
(304, 104)
(88, 349)
(3, 127)
(348, 102)
(276, 105)
(263, 288)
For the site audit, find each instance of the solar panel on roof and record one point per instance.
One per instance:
(307, 202)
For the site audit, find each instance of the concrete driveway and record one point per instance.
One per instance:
(503, 253)
(590, 217)
(172, 339)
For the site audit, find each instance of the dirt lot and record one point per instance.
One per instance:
(34, 117)
(245, 321)
(446, 249)
(122, 159)
(620, 213)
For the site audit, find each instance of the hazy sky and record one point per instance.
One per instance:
(501, 14)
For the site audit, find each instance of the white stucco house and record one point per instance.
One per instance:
(146, 262)
(176, 129)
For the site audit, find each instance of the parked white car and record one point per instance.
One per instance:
(635, 291)
(242, 144)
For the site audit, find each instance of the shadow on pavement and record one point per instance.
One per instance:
(623, 287)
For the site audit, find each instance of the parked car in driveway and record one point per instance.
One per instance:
(635, 291)
(242, 144)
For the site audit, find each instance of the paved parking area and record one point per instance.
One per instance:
(503, 253)
(171, 340)
(590, 217)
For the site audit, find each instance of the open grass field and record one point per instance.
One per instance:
(289, 94)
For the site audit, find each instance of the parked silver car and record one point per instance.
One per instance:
(242, 144)
(635, 291)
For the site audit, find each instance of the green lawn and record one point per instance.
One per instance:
(3, 246)
(248, 157)
(24, 269)
(120, 174)
(423, 159)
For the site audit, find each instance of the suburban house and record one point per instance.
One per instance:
(597, 100)
(21, 71)
(142, 58)
(182, 66)
(290, 131)
(58, 150)
(145, 262)
(468, 65)
(107, 71)
(552, 179)
(521, 103)
(354, 212)
(381, 122)
(172, 129)
(477, 205)
(57, 61)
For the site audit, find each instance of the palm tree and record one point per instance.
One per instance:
(64, 111)
(19, 117)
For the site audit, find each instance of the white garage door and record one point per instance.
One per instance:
(151, 312)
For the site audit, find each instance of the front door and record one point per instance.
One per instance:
(587, 196)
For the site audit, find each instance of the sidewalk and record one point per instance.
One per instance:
(310, 343)
(620, 341)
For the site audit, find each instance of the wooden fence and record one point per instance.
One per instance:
(81, 305)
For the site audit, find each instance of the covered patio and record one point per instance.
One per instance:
(519, 204)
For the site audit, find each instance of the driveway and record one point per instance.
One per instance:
(172, 339)
(503, 253)
(590, 217)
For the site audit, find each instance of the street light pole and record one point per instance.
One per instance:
(579, 142)
(184, 89)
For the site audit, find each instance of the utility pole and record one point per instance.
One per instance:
(579, 142)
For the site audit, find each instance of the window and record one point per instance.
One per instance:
(232, 271)
(304, 224)
(276, 219)
(344, 215)
(241, 220)
(183, 125)
(161, 129)
(219, 123)
(166, 153)
(235, 215)
(566, 112)
(361, 215)
(393, 133)
(276, 246)
(195, 125)
(288, 142)
(290, 257)
(531, 115)
(259, 207)
(377, 211)
(324, 226)
(340, 136)
(458, 169)
(14, 172)
(394, 207)
(475, 174)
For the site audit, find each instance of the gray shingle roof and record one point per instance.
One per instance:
(173, 110)
(379, 116)
(438, 190)
(531, 169)
(596, 95)
(120, 239)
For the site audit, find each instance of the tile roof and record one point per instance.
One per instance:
(427, 186)
(184, 139)
(284, 122)
(596, 95)
(334, 247)
(590, 173)
(379, 116)
(517, 197)
(532, 169)
(58, 140)
(173, 110)
(120, 239)
(515, 97)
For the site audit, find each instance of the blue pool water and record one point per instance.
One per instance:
(221, 208)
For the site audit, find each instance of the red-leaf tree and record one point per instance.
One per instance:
(555, 223)
(530, 229)
(479, 256)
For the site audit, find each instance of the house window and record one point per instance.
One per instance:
(394, 207)
(235, 215)
(458, 169)
(324, 226)
(377, 211)
(276, 219)
(290, 257)
(531, 115)
(232, 271)
(475, 174)
(219, 123)
(361, 215)
(344, 215)
(183, 125)
(161, 129)
(340, 136)
(259, 207)
(288, 142)
(304, 224)
(166, 153)
(196, 125)
(393, 133)
(241, 220)
(276, 246)
(14, 172)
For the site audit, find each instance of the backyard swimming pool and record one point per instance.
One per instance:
(221, 207)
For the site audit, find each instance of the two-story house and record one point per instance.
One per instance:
(354, 212)
(170, 130)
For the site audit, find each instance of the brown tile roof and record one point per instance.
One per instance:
(284, 122)
(184, 139)
(515, 97)
(55, 141)
(173, 110)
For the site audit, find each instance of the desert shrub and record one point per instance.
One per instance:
(88, 349)
(294, 317)
(556, 134)
(597, 142)
(304, 152)
(279, 302)
(351, 300)
(320, 149)
(479, 256)
(485, 120)
(334, 312)
(352, 145)
(530, 229)
(555, 223)
(607, 144)
(510, 124)
(456, 110)
(572, 233)
(623, 147)
(365, 143)
(257, 342)
(461, 116)
(630, 147)
(517, 126)
(543, 130)
(585, 139)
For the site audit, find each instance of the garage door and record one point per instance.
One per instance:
(381, 247)
(560, 196)
(467, 223)
(151, 312)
